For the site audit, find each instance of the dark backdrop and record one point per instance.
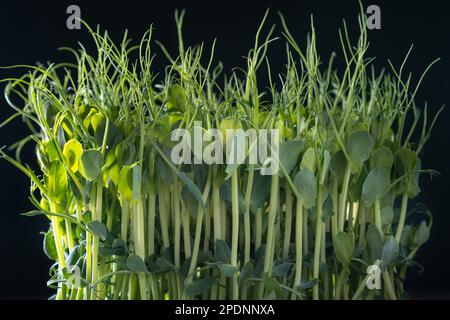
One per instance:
(32, 31)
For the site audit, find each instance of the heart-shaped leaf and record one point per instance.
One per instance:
(136, 264)
(390, 250)
(359, 145)
(72, 152)
(309, 160)
(90, 164)
(288, 154)
(99, 229)
(199, 286)
(343, 248)
(375, 186)
(306, 183)
(374, 244)
(228, 270)
(421, 234)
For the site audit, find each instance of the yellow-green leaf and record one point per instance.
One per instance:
(72, 152)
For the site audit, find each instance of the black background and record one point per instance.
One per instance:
(32, 31)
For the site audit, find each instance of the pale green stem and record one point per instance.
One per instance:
(247, 229)
(317, 245)
(334, 218)
(401, 221)
(273, 206)
(234, 230)
(287, 223)
(298, 244)
(198, 229)
(343, 199)
(378, 217)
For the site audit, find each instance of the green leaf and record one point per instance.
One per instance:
(112, 167)
(356, 185)
(413, 181)
(306, 183)
(390, 251)
(49, 246)
(260, 191)
(387, 215)
(73, 256)
(289, 152)
(421, 234)
(199, 286)
(246, 272)
(281, 270)
(72, 152)
(125, 153)
(271, 284)
(406, 236)
(375, 186)
(105, 251)
(119, 247)
(406, 160)
(191, 187)
(51, 151)
(162, 265)
(359, 145)
(382, 157)
(309, 160)
(343, 248)
(125, 184)
(228, 270)
(177, 99)
(90, 164)
(327, 210)
(325, 166)
(136, 264)
(87, 217)
(338, 165)
(222, 251)
(374, 244)
(98, 123)
(308, 284)
(98, 229)
(73, 277)
(57, 181)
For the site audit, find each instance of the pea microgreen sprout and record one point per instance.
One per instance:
(128, 222)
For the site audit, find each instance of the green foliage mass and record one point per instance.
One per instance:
(137, 226)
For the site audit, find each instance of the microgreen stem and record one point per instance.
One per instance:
(234, 229)
(298, 243)
(401, 221)
(317, 242)
(343, 199)
(287, 223)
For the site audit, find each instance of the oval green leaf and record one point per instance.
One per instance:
(90, 164)
(359, 145)
(306, 184)
(375, 186)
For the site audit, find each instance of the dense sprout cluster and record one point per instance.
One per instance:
(128, 223)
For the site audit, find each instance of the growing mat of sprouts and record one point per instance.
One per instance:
(126, 222)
